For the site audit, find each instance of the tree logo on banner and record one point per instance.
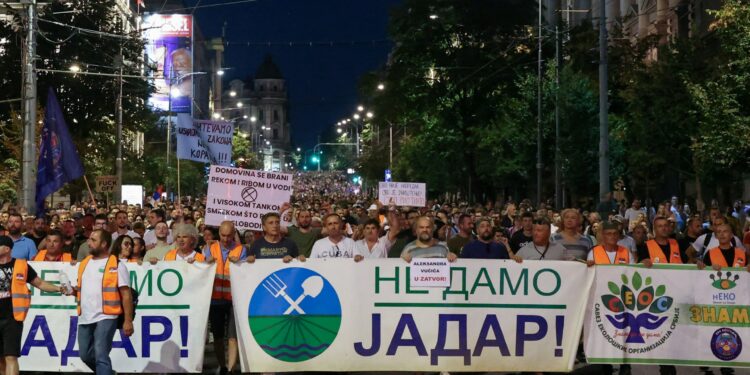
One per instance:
(294, 314)
(637, 307)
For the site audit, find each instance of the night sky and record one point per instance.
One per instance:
(322, 80)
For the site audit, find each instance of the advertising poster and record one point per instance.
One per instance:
(169, 55)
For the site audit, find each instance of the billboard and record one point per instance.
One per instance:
(169, 54)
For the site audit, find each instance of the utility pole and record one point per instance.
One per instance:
(169, 132)
(118, 160)
(539, 112)
(29, 118)
(558, 161)
(603, 102)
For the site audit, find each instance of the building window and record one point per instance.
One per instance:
(274, 88)
(262, 87)
(275, 115)
(275, 133)
(260, 115)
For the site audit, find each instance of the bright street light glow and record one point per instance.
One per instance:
(216, 115)
(233, 93)
(299, 149)
(356, 116)
(263, 127)
(75, 68)
(268, 143)
(381, 87)
(433, 16)
(338, 130)
(220, 73)
(244, 117)
(369, 115)
(360, 108)
(239, 104)
(176, 91)
(253, 119)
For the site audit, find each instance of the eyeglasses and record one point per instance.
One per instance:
(127, 244)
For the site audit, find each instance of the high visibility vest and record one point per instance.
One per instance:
(621, 257)
(717, 258)
(111, 301)
(222, 287)
(172, 255)
(19, 291)
(656, 254)
(42, 257)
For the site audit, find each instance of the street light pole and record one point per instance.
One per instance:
(118, 159)
(603, 110)
(29, 124)
(539, 111)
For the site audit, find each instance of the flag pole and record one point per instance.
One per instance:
(86, 180)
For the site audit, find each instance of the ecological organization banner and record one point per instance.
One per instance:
(204, 141)
(669, 314)
(170, 321)
(244, 195)
(338, 315)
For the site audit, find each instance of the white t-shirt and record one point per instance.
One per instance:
(611, 255)
(380, 250)
(150, 237)
(91, 290)
(324, 248)
(187, 257)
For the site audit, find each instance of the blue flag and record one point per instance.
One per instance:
(58, 158)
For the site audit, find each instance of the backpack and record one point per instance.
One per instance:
(121, 317)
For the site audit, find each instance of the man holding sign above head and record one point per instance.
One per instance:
(374, 246)
(220, 314)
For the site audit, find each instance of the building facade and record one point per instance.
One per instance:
(259, 107)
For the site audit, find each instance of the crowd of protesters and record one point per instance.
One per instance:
(329, 218)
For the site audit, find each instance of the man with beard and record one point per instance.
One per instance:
(162, 245)
(154, 217)
(54, 251)
(123, 226)
(15, 301)
(406, 236)
(483, 247)
(303, 234)
(464, 235)
(103, 294)
(38, 230)
(23, 247)
(272, 244)
(425, 246)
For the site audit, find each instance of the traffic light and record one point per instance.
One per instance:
(315, 159)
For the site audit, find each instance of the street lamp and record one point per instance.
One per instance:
(360, 108)
(381, 87)
(75, 68)
(233, 93)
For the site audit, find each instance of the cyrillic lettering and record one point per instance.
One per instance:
(463, 291)
(491, 323)
(522, 281)
(487, 283)
(462, 350)
(124, 344)
(406, 322)
(39, 324)
(558, 282)
(44, 276)
(70, 347)
(360, 349)
(522, 336)
(378, 279)
(408, 284)
(179, 282)
(147, 337)
(146, 282)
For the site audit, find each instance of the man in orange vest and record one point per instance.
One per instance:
(609, 252)
(15, 300)
(103, 294)
(724, 255)
(220, 314)
(54, 251)
(662, 249)
(186, 238)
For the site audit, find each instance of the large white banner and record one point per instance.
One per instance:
(412, 194)
(244, 196)
(205, 141)
(338, 315)
(170, 321)
(669, 315)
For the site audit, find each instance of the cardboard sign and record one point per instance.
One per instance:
(412, 194)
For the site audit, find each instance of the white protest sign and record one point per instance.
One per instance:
(244, 196)
(412, 194)
(170, 321)
(204, 140)
(430, 273)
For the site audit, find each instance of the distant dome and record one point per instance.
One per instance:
(268, 70)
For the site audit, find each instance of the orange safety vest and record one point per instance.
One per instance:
(172, 255)
(656, 254)
(19, 291)
(601, 257)
(111, 300)
(42, 257)
(222, 287)
(740, 257)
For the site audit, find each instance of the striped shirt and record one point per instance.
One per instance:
(578, 249)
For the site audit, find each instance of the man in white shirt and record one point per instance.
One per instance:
(103, 295)
(373, 246)
(335, 245)
(708, 241)
(154, 217)
(123, 226)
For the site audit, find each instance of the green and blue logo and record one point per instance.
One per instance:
(295, 314)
